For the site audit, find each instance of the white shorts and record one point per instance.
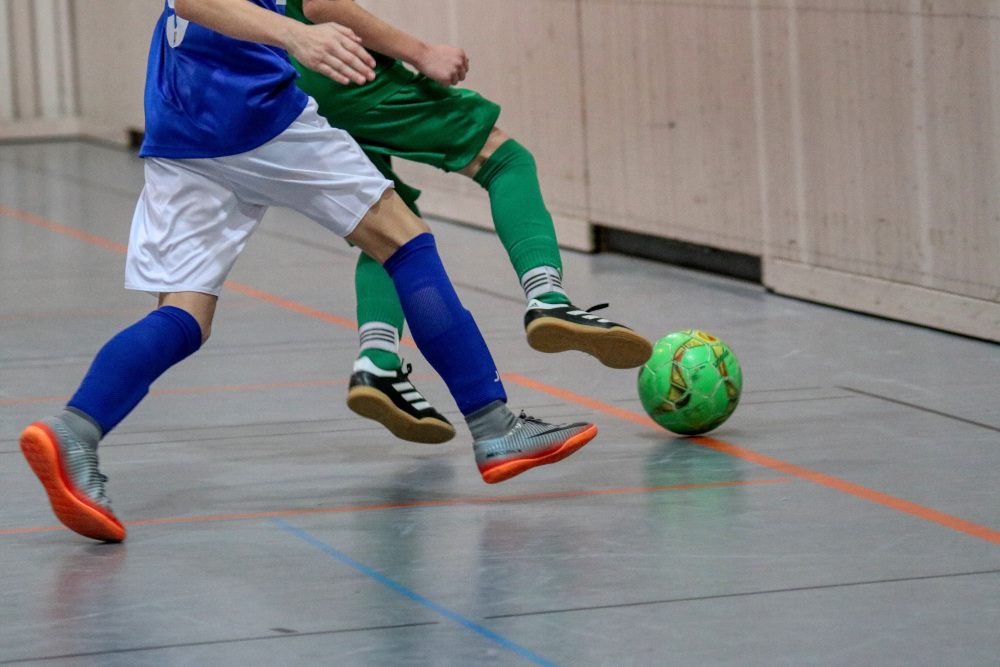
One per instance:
(195, 216)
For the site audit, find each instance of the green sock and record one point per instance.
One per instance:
(553, 297)
(519, 214)
(380, 315)
(387, 361)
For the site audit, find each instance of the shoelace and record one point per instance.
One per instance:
(101, 496)
(597, 307)
(101, 478)
(406, 373)
(528, 418)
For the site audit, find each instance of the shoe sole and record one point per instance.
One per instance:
(616, 347)
(75, 510)
(373, 404)
(507, 469)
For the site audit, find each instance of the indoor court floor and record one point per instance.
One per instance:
(847, 514)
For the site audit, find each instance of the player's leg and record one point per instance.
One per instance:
(379, 313)
(505, 445)
(62, 449)
(507, 171)
(454, 130)
(380, 388)
(322, 173)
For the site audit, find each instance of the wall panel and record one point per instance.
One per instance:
(670, 109)
(112, 46)
(535, 78)
(854, 145)
(6, 64)
(36, 77)
(880, 136)
(963, 235)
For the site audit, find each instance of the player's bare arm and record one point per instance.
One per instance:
(331, 49)
(445, 64)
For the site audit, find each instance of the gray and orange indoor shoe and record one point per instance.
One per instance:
(529, 443)
(67, 467)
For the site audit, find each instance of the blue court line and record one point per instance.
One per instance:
(416, 597)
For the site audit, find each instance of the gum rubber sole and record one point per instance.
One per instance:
(507, 469)
(72, 508)
(373, 404)
(616, 347)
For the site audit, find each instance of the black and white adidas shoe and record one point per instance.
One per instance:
(557, 327)
(390, 398)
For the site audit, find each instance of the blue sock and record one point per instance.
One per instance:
(443, 329)
(122, 371)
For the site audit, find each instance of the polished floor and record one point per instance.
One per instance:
(847, 514)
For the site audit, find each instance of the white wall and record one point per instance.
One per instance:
(38, 87)
(112, 45)
(73, 67)
(854, 145)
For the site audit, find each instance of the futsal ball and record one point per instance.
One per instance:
(691, 383)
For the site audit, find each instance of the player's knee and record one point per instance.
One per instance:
(519, 155)
(387, 226)
(494, 140)
(198, 308)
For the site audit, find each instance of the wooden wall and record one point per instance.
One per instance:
(73, 67)
(113, 44)
(879, 125)
(525, 55)
(38, 93)
(853, 145)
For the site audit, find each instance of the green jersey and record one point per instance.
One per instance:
(340, 100)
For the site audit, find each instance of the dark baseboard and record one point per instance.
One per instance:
(135, 137)
(680, 253)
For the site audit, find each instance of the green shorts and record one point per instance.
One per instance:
(424, 122)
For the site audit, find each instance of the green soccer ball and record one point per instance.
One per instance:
(691, 383)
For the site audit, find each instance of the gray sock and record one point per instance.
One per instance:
(491, 421)
(82, 425)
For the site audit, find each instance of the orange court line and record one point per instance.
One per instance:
(428, 503)
(579, 399)
(843, 486)
(236, 287)
(206, 390)
(290, 305)
(940, 518)
(62, 229)
(73, 313)
(94, 312)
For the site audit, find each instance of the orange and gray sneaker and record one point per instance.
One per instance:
(530, 442)
(558, 327)
(67, 467)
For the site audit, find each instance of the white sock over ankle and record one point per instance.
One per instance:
(379, 336)
(540, 280)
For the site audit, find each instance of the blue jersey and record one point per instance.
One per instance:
(208, 95)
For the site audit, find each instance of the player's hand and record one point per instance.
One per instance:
(332, 50)
(445, 64)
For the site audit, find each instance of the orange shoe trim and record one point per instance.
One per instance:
(504, 470)
(76, 511)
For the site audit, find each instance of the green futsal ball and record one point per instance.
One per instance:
(691, 383)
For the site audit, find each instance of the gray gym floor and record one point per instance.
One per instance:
(847, 514)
